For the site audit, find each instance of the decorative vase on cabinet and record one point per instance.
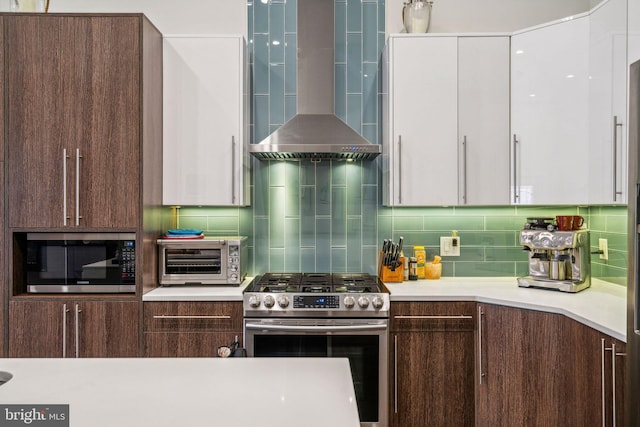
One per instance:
(416, 16)
(41, 6)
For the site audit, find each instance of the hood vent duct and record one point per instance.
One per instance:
(315, 132)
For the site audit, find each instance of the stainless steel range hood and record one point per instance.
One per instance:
(315, 132)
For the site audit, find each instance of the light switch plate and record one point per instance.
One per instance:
(449, 246)
(603, 247)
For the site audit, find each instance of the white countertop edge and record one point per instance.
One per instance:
(198, 293)
(601, 307)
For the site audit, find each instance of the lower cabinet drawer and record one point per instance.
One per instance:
(186, 344)
(193, 316)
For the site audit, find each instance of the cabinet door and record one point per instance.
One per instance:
(106, 329)
(420, 146)
(549, 114)
(204, 115)
(39, 328)
(73, 125)
(190, 329)
(520, 368)
(608, 103)
(433, 364)
(483, 120)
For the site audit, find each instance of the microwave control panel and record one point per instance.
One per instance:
(128, 260)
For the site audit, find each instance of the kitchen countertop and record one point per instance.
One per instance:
(232, 392)
(198, 293)
(603, 306)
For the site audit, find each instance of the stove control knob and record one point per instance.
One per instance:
(254, 301)
(349, 302)
(269, 301)
(363, 302)
(377, 302)
(283, 301)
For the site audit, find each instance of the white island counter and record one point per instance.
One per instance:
(233, 392)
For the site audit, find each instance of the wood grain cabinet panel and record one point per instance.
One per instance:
(594, 376)
(73, 328)
(432, 356)
(74, 113)
(190, 329)
(521, 376)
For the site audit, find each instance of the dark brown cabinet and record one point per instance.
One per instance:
(73, 328)
(595, 376)
(520, 367)
(74, 98)
(432, 364)
(190, 329)
(543, 369)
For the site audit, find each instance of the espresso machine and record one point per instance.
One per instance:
(557, 259)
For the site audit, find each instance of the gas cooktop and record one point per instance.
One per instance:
(316, 294)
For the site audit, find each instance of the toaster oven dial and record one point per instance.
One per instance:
(254, 301)
(283, 301)
(269, 301)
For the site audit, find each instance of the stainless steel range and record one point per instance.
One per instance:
(325, 315)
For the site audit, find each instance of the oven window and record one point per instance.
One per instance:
(361, 350)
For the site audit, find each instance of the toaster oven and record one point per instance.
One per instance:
(207, 261)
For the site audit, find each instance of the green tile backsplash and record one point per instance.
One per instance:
(328, 216)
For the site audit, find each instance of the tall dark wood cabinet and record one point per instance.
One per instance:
(3, 242)
(432, 364)
(83, 122)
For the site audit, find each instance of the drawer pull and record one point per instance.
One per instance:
(444, 317)
(168, 316)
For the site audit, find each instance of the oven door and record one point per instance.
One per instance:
(363, 341)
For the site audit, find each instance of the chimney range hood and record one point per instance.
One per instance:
(315, 132)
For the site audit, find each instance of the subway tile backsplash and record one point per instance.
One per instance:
(328, 216)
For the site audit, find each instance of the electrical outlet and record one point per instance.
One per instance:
(603, 247)
(450, 246)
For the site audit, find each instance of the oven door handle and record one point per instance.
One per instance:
(315, 328)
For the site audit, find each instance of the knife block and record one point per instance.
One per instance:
(386, 274)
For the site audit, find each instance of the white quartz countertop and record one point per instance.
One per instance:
(602, 306)
(198, 293)
(233, 392)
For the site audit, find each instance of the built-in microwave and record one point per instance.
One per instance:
(81, 262)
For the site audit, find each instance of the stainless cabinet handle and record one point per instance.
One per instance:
(603, 383)
(400, 169)
(616, 125)
(78, 311)
(395, 374)
(434, 317)
(64, 187)
(78, 157)
(233, 169)
(613, 384)
(464, 168)
(169, 316)
(516, 193)
(64, 330)
(480, 314)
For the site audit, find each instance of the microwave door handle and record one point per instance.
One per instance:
(313, 328)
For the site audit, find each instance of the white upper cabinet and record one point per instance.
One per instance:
(446, 121)
(420, 110)
(549, 113)
(205, 121)
(483, 120)
(608, 103)
(633, 21)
